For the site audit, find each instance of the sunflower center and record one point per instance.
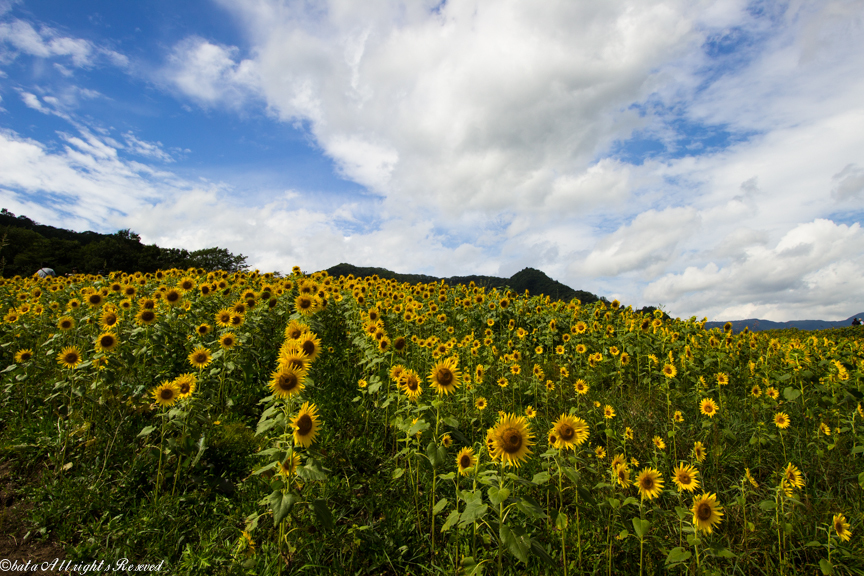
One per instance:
(304, 303)
(184, 388)
(304, 424)
(566, 432)
(684, 478)
(25, 356)
(444, 376)
(200, 357)
(465, 462)
(70, 358)
(512, 440)
(172, 297)
(106, 341)
(703, 512)
(147, 316)
(647, 483)
(412, 383)
(166, 394)
(309, 347)
(288, 382)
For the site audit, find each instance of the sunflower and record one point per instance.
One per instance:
(106, 342)
(570, 432)
(480, 403)
(362, 383)
(66, 323)
(109, 318)
(294, 329)
(23, 355)
(600, 452)
(95, 299)
(792, 476)
(223, 318)
(228, 340)
(509, 440)
(287, 381)
(581, 387)
(772, 393)
(186, 385)
(290, 354)
(781, 420)
(409, 383)
(581, 348)
(699, 452)
(288, 467)
(628, 433)
(617, 460)
(173, 296)
(659, 443)
(166, 394)
(305, 425)
(145, 316)
(750, 478)
(825, 429)
(706, 512)
(650, 483)
(529, 412)
(756, 391)
(200, 357)
(466, 461)
(722, 379)
(311, 344)
(685, 477)
(708, 407)
(236, 320)
(841, 526)
(69, 357)
(307, 305)
(445, 376)
(446, 441)
(622, 475)
(608, 412)
(678, 416)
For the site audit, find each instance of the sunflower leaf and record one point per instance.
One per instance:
(518, 544)
(146, 431)
(322, 513)
(440, 506)
(474, 511)
(451, 520)
(312, 471)
(530, 507)
(641, 527)
(791, 394)
(677, 555)
(682, 512)
(398, 472)
(281, 505)
(540, 478)
(826, 567)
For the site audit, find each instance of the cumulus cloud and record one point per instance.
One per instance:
(48, 43)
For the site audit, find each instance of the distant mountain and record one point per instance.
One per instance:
(534, 281)
(756, 325)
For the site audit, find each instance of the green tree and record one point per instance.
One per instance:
(217, 259)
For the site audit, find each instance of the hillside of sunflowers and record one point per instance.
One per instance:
(249, 423)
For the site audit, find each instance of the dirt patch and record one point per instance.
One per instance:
(15, 543)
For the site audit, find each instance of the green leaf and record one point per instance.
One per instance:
(677, 555)
(322, 513)
(418, 426)
(530, 507)
(452, 422)
(629, 500)
(857, 449)
(311, 471)
(791, 394)
(497, 496)
(767, 505)
(561, 521)
(451, 520)
(640, 527)
(518, 544)
(682, 512)
(264, 468)
(439, 506)
(541, 552)
(724, 553)
(146, 431)
(398, 472)
(623, 534)
(281, 505)
(448, 476)
(474, 511)
(826, 567)
(432, 454)
(540, 478)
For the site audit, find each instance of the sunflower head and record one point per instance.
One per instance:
(841, 527)
(686, 477)
(305, 425)
(146, 316)
(480, 403)
(650, 483)
(186, 384)
(708, 407)
(228, 340)
(781, 420)
(69, 357)
(166, 394)
(287, 381)
(445, 376)
(706, 513)
(509, 441)
(106, 342)
(466, 460)
(66, 323)
(23, 355)
(699, 452)
(570, 431)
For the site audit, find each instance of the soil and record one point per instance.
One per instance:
(15, 543)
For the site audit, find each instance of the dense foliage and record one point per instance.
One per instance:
(250, 424)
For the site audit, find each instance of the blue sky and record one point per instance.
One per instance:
(706, 156)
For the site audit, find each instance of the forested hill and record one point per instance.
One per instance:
(26, 246)
(535, 281)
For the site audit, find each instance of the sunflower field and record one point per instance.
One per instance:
(251, 423)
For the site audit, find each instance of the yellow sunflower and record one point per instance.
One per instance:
(200, 357)
(145, 316)
(186, 385)
(685, 477)
(109, 318)
(480, 403)
(290, 354)
(792, 477)
(699, 452)
(708, 407)
(445, 376)
(288, 467)
(622, 475)
(228, 340)
(305, 425)
(530, 412)
(107, 342)
(570, 431)
(166, 394)
(669, 371)
(781, 420)
(23, 355)
(608, 412)
(223, 318)
(706, 512)
(69, 357)
(659, 443)
(650, 483)
(510, 440)
(600, 452)
(66, 323)
(409, 383)
(287, 381)
(841, 526)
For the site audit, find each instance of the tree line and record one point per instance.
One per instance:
(28, 246)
